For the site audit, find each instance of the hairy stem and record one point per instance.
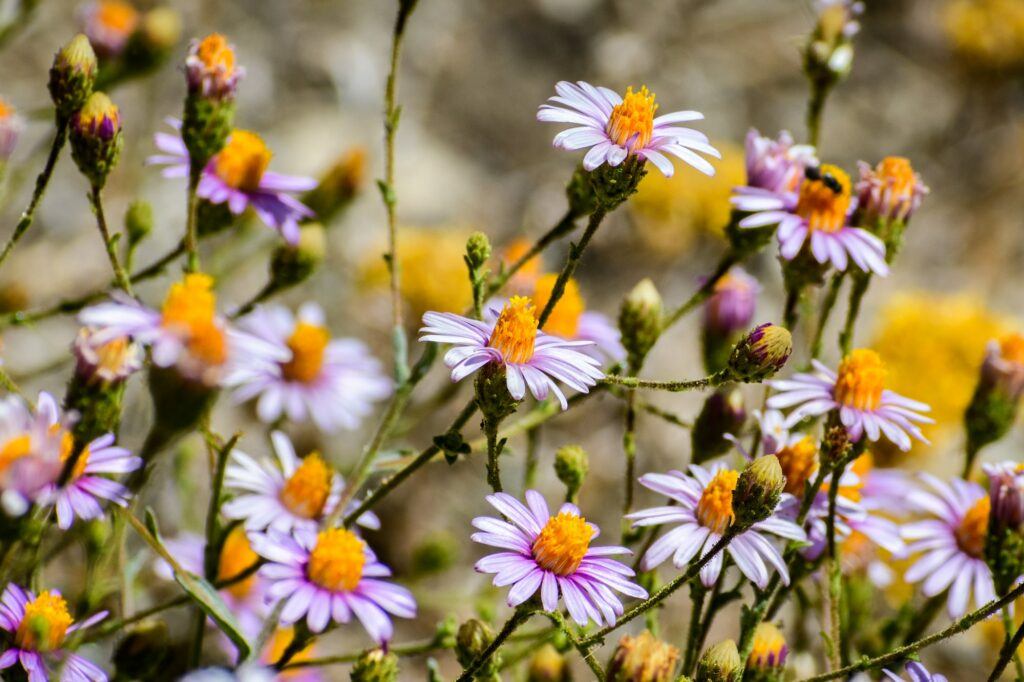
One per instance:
(571, 261)
(110, 242)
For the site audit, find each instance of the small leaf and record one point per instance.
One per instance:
(213, 606)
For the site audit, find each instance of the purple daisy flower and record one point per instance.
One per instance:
(553, 554)
(951, 543)
(817, 214)
(776, 165)
(25, 617)
(30, 451)
(87, 487)
(291, 493)
(237, 175)
(329, 576)
(892, 190)
(858, 392)
(531, 359)
(108, 362)
(613, 127)
(704, 511)
(332, 381)
(917, 672)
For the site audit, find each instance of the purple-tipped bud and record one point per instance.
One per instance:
(1006, 491)
(761, 353)
(96, 137)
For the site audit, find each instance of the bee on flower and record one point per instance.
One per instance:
(287, 494)
(331, 576)
(334, 382)
(237, 176)
(816, 215)
(857, 391)
(530, 358)
(38, 626)
(613, 127)
(552, 553)
(704, 511)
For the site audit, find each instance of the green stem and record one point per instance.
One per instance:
(698, 594)
(827, 303)
(59, 138)
(192, 225)
(571, 261)
(671, 386)
(490, 428)
(815, 108)
(791, 312)
(857, 291)
(109, 241)
(580, 646)
(532, 452)
(563, 227)
(411, 649)
(1014, 635)
(833, 572)
(520, 616)
(724, 265)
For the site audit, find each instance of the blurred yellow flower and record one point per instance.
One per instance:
(671, 212)
(987, 32)
(933, 345)
(434, 275)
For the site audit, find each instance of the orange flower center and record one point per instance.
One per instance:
(15, 449)
(117, 16)
(235, 557)
(515, 331)
(1011, 348)
(564, 319)
(898, 175)
(307, 344)
(305, 492)
(970, 534)
(562, 543)
(824, 198)
(799, 461)
(191, 309)
(44, 624)
(714, 510)
(215, 52)
(336, 562)
(113, 355)
(861, 380)
(631, 123)
(242, 161)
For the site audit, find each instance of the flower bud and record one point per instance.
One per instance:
(96, 389)
(643, 658)
(478, 250)
(212, 79)
(640, 321)
(761, 353)
(375, 666)
(138, 221)
(142, 651)
(768, 657)
(892, 190)
(160, 29)
(612, 185)
(96, 139)
(722, 414)
(291, 265)
(829, 52)
(994, 406)
(11, 127)
(338, 186)
(1006, 491)
(718, 663)
(758, 490)
(571, 467)
(72, 76)
(548, 665)
(727, 312)
(471, 641)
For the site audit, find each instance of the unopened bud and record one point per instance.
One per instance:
(643, 658)
(548, 665)
(994, 405)
(471, 641)
(768, 656)
(72, 76)
(212, 78)
(338, 186)
(758, 490)
(571, 467)
(727, 312)
(761, 353)
(478, 250)
(96, 139)
(829, 52)
(640, 321)
(722, 414)
(138, 221)
(375, 666)
(291, 265)
(719, 663)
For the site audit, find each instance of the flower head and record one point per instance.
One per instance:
(614, 127)
(329, 576)
(108, 25)
(237, 175)
(917, 672)
(334, 382)
(531, 359)
(891, 190)
(643, 658)
(1004, 365)
(38, 626)
(776, 165)
(553, 554)
(704, 511)
(210, 69)
(730, 308)
(11, 127)
(761, 353)
(857, 390)
(108, 362)
(284, 494)
(1006, 491)
(770, 648)
(31, 445)
(951, 542)
(817, 214)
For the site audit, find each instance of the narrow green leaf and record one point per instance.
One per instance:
(213, 606)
